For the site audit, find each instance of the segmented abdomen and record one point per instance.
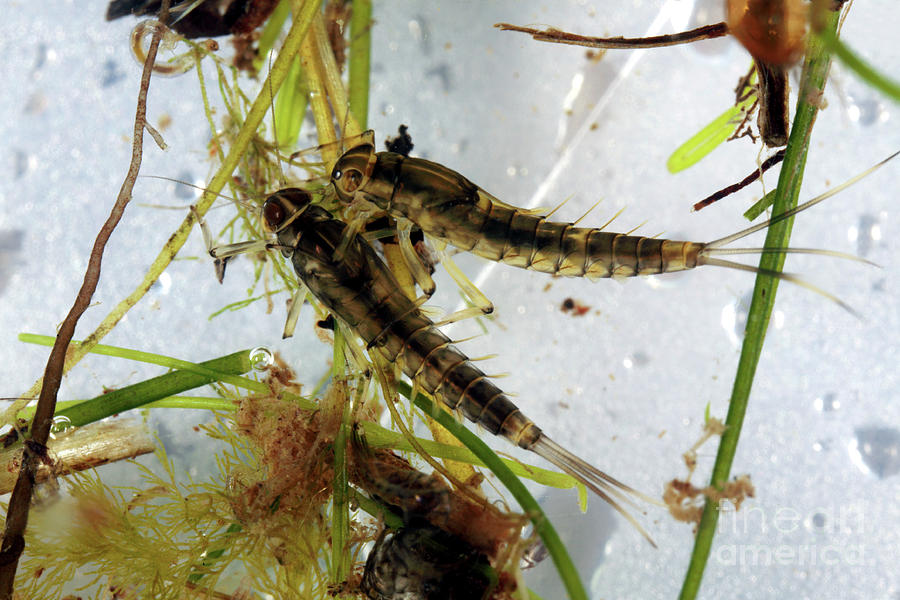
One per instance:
(362, 292)
(508, 235)
(446, 205)
(429, 357)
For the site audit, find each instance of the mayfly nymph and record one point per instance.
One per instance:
(363, 293)
(448, 207)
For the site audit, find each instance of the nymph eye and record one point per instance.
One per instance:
(352, 180)
(273, 213)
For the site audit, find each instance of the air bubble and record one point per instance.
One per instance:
(865, 109)
(261, 358)
(876, 450)
(637, 359)
(866, 233)
(183, 191)
(827, 403)
(61, 424)
(734, 318)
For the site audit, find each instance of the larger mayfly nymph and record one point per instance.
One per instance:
(448, 207)
(361, 291)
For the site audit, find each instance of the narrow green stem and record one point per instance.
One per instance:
(154, 359)
(270, 32)
(815, 73)
(760, 206)
(139, 394)
(376, 509)
(360, 60)
(340, 505)
(532, 509)
(856, 64)
(379, 437)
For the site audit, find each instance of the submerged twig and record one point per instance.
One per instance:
(706, 32)
(85, 448)
(734, 187)
(17, 514)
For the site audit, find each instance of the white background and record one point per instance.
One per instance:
(624, 386)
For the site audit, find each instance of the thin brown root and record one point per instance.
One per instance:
(715, 248)
(606, 487)
(550, 34)
(731, 189)
(806, 205)
(20, 501)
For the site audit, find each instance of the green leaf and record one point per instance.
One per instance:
(708, 138)
(290, 106)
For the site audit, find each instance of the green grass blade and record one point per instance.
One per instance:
(856, 64)
(340, 499)
(271, 31)
(213, 555)
(760, 206)
(815, 73)
(708, 138)
(140, 394)
(360, 60)
(153, 359)
(290, 106)
(379, 437)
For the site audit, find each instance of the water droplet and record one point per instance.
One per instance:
(827, 403)
(734, 318)
(111, 74)
(821, 445)
(533, 555)
(261, 358)
(61, 424)
(163, 284)
(818, 520)
(418, 31)
(23, 163)
(876, 450)
(185, 192)
(865, 109)
(36, 104)
(636, 359)
(40, 57)
(415, 30)
(866, 234)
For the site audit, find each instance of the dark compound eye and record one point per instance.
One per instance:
(352, 180)
(273, 213)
